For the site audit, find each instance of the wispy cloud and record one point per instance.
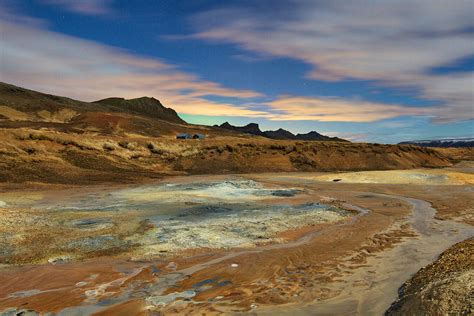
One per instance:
(353, 137)
(37, 58)
(250, 58)
(288, 108)
(396, 43)
(89, 7)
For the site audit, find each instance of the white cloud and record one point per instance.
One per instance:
(289, 108)
(36, 58)
(393, 42)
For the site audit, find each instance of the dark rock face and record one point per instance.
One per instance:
(251, 128)
(281, 133)
(311, 136)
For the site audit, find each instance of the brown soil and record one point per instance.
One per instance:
(280, 276)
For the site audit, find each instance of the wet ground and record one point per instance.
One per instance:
(169, 217)
(285, 244)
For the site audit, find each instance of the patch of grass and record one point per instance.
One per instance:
(154, 149)
(108, 146)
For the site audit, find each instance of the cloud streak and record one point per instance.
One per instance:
(88, 7)
(37, 58)
(395, 43)
(297, 108)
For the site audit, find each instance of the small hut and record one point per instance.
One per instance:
(199, 136)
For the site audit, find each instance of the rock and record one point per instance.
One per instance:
(234, 265)
(172, 266)
(58, 260)
(80, 284)
(17, 312)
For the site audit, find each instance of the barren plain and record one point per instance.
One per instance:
(260, 243)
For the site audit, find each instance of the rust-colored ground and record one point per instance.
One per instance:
(271, 277)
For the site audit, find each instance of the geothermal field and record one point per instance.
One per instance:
(107, 209)
(286, 243)
(238, 157)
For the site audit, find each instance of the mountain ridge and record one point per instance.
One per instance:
(443, 143)
(148, 106)
(33, 102)
(279, 134)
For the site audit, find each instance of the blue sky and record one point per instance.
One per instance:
(364, 70)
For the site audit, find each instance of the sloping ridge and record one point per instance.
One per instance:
(29, 101)
(144, 106)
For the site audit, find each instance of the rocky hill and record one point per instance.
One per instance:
(145, 106)
(19, 104)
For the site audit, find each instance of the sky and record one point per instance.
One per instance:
(364, 70)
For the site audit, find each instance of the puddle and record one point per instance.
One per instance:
(91, 223)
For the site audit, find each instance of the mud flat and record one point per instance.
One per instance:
(155, 220)
(268, 244)
(372, 288)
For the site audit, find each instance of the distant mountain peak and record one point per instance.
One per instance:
(251, 128)
(281, 134)
(444, 142)
(225, 124)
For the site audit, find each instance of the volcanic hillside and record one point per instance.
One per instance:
(47, 138)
